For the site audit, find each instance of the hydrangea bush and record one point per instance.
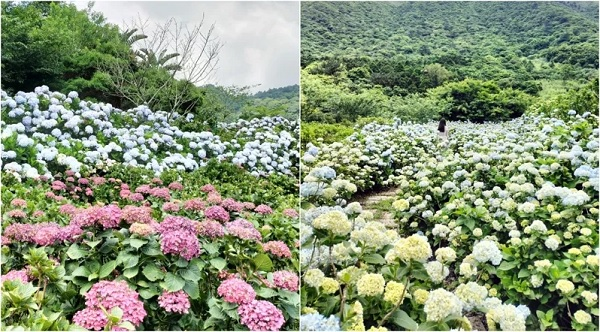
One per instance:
(163, 253)
(45, 132)
(496, 228)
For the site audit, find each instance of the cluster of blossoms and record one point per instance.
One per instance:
(528, 186)
(108, 295)
(49, 124)
(177, 302)
(178, 237)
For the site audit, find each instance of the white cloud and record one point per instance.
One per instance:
(261, 39)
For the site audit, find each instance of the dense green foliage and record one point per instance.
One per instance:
(58, 45)
(387, 58)
(67, 49)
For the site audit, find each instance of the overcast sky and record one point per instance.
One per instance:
(261, 39)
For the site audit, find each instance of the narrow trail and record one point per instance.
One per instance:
(375, 201)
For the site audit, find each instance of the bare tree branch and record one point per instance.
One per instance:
(188, 55)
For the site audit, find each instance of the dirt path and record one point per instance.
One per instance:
(379, 203)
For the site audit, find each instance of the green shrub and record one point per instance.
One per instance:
(311, 131)
(480, 101)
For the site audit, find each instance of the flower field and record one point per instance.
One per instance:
(117, 220)
(44, 132)
(496, 229)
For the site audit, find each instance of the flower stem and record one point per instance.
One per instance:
(343, 302)
(387, 316)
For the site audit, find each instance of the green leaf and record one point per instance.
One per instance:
(92, 244)
(81, 271)
(151, 251)
(181, 262)
(263, 263)
(130, 261)
(191, 288)
(507, 266)
(291, 310)
(108, 245)
(402, 319)
(107, 269)
(116, 312)
(524, 273)
(127, 325)
(131, 272)
(210, 322)
(75, 252)
(173, 282)
(192, 273)
(137, 243)
(211, 248)
(375, 259)
(218, 263)
(147, 293)
(266, 292)
(152, 272)
(216, 313)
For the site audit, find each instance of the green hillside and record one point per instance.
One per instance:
(374, 51)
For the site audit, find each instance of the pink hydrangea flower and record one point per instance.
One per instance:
(68, 209)
(232, 205)
(286, 280)
(236, 291)
(17, 202)
(211, 229)
(83, 181)
(91, 319)
(20, 232)
(217, 213)
(17, 214)
(124, 193)
(261, 316)
(291, 213)
(182, 243)
(207, 188)
(170, 207)
(175, 186)
(161, 193)
(177, 302)
(16, 275)
(157, 181)
(214, 198)
(143, 189)
(263, 209)
(50, 195)
(175, 223)
(195, 204)
(110, 294)
(70, 233)
(69, 173)
(89, 192)
(46, 234)
(38, 213)
(98, 180)
(70, 179)
(87, 217)
(141, 229)
(277, 248)
(243, 229)
(110, 216)
(136, 197)
(249, 205)
(141, 214)
(58, 185)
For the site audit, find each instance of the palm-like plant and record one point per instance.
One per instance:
(158, 60)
